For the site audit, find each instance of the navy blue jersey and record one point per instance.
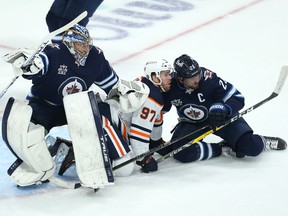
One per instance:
(62, 12)
(61, 76)
(194, 104)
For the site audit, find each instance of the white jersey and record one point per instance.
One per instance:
(146, 122)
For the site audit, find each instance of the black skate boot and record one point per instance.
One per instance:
(68, 161)
(274, 143)
(55, 143)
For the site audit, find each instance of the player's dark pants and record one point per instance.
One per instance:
(239, 137)
(64, 11)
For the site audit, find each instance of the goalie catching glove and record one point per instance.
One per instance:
(128, 96)
(18, 58)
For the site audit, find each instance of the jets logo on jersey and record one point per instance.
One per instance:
(72, 85)
(194, 112)
(62, 70)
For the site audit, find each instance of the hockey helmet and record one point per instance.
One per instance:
(186, 67)
(77, 33)
(156, 67)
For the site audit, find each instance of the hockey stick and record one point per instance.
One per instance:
(65, 184)
(10, 84)
(281, 80)
(161, 146)
(51, 35)
(42, 46)
(280, 83)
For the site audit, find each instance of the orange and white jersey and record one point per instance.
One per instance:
(146, 122)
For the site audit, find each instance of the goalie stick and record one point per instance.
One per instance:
(281, 80)
(275, 93)
(42, 46)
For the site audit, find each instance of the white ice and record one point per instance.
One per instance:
(244, 41)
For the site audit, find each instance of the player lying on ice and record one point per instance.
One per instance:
(61, 77)
(202, 98)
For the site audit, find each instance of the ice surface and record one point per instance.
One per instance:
(244, 41)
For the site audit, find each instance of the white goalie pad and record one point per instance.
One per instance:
(26, 140)
(87, 145)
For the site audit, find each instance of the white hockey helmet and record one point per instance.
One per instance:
(155, 67)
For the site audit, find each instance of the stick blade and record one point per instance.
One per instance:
(281, 80)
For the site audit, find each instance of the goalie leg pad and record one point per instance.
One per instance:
(26, 142)
(91, 155)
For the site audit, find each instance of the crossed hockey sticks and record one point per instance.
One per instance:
(281, 80)
(42, 46)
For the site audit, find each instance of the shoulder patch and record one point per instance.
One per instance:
(207, 74)
(54, 45)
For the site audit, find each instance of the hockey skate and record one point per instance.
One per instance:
(68, 161)
(55, 144)
(62, 149)
(274, 143)
(228, 152)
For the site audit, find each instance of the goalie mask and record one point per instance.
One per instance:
(155, 68)
(78, 41)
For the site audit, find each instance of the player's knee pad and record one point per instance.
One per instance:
(26, 141)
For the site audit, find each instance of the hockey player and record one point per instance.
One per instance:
(57, 73)
(141, 126)
(201, 98)
(62, 12)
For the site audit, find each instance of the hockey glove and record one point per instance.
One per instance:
(155, 143)
(148, 164)
(18, 57)
(128, 96)
(217, 115)
(31, 69)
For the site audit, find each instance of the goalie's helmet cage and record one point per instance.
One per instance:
(186, 67)
(155, 68)
(80, 34)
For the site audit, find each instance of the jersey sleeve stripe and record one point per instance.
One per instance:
(140, 133)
